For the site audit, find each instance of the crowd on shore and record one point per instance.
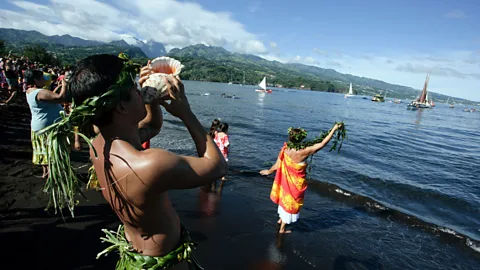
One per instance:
(12, 75)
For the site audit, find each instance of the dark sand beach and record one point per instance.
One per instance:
(235, 228)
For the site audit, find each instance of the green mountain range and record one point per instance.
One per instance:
(208, 63)
(67, 48)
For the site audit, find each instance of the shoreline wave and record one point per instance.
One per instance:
(381, 209)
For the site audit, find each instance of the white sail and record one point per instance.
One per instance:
(350, 91)
(263, 84)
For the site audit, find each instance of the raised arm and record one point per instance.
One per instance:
(182, 172)
(317, 147)
(49, 96)
(56, 88)
(150, 126)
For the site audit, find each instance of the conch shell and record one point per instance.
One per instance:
(155, 86)
(166, 65)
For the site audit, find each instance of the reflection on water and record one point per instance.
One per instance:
(418, 118)
(261, 97)
(276, 256)
(209, 198)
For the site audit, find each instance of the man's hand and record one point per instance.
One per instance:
(144, 73)
(265, 172)
(179, 106)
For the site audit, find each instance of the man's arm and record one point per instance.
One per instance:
(185, 172)
(150, 126)
(272, 169)
(317, 147)
(182, 172)
(49, 96)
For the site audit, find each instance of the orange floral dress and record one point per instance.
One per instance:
(289, 187)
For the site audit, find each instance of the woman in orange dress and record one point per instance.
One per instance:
(289, 186)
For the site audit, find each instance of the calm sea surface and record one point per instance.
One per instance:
(416, 168)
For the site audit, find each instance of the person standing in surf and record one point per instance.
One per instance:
(222, 141)
(213, 128)
(290, 183)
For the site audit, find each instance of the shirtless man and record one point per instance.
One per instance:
(133, 180)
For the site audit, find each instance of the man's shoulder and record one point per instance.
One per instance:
(159, 159)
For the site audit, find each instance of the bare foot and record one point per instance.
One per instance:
(279, 221)
(284, 231)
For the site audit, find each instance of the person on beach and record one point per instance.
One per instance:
(222, 141)
(45, 108)
(11, 76)
(135, 181)
(213, 127)
(290, 184)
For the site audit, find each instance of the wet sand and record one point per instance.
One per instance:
(235, 228)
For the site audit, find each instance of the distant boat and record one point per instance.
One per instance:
(451, 105)
(397, 101)
(230, 83)
(263, 85)
(350, 92)
(364, 97)
(206, 94)
(422, 101)
(378, 98)
(470, 110)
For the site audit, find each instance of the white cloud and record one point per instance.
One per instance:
(273, 57)
(455, 14)
(174, 23)
(250, 46)
(310, 60)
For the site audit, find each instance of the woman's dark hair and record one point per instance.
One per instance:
(93, 76)
(296, 135)
(213, 127)
(223, 127)
(31, 75)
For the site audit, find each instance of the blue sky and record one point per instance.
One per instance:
(394, 41)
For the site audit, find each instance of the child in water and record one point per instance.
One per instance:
(222, 141)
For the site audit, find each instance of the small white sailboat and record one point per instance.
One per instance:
(263, 85)
(350, 92)
(452, 104)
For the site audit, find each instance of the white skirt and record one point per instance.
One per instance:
(287, 217)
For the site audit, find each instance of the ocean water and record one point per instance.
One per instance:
(415, 170)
